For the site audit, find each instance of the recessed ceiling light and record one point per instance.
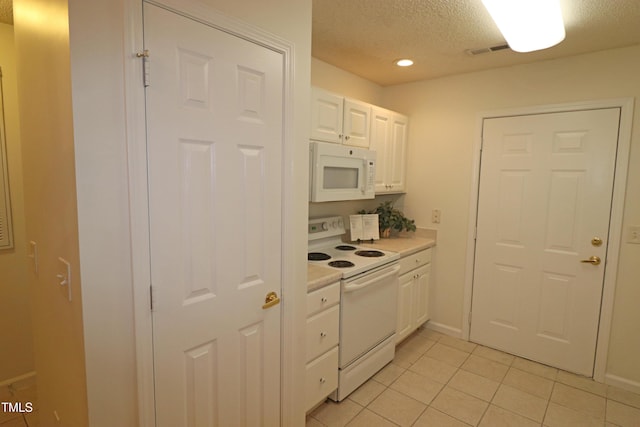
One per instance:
(404, 62)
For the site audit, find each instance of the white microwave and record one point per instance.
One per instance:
(339, 172)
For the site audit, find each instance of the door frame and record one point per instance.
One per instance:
(615, 224)
(293, 297)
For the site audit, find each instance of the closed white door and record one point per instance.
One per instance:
(545, 198)
(214, 119)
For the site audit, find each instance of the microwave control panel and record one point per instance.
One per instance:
(371, 179)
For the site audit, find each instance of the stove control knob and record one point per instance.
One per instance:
(325, 226)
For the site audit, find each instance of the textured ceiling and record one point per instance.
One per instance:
(365, 37)
(6, 11)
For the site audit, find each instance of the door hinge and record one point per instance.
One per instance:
(145, 67)
(470, 314)
(151, 297)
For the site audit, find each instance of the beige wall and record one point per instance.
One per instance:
(16, 356)
(444, 126)
(333, 79)
(44, 90)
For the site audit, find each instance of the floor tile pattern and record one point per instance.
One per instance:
(440, 381)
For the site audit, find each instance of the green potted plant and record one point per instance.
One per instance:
(390, 218)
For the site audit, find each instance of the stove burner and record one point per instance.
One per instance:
(370, 254)
(345, 248)
(341, 264)
(317, 256)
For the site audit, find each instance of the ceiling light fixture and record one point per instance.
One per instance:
(404, 62)
(528, 25)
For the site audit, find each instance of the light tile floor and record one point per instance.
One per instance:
(439, 381)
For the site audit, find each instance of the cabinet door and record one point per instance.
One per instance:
(357, 123)
(405, 306)
(421, 291)
(326, 116)
(397, 154)
(380, 141)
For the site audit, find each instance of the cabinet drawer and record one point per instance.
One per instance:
(322, 331)
(322, 298)
(414, 261)
(321, 378)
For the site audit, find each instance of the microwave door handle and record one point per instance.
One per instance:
(357, 286)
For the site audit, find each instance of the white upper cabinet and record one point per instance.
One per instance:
(389, 140)
(326, 116)
(357, 123)
(339, 120)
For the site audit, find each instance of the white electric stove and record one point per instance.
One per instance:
(327, 249)
(368, 301)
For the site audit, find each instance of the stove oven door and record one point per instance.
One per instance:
(368, 312)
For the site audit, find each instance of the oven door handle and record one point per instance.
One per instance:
(357, 286)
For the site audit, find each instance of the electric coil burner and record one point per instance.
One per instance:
(327, 249)
(318, 256)
(369, 254)
(341, 264)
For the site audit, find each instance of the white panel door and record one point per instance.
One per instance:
(545, 192)
(214, 119)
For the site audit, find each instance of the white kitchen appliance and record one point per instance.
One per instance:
(339, 172)
(368, 301)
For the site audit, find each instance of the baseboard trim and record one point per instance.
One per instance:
(444, 329)
(19, 378)
(623, 383)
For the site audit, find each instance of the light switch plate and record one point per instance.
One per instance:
(634, 234)
(33, 255)
(64, 275)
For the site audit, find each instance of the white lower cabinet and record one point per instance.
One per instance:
(413, 293)
(323, 329)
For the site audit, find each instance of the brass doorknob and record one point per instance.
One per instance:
(595, 260)
(270, 300)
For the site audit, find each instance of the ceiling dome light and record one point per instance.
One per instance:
(404, 62)
(528, 25)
